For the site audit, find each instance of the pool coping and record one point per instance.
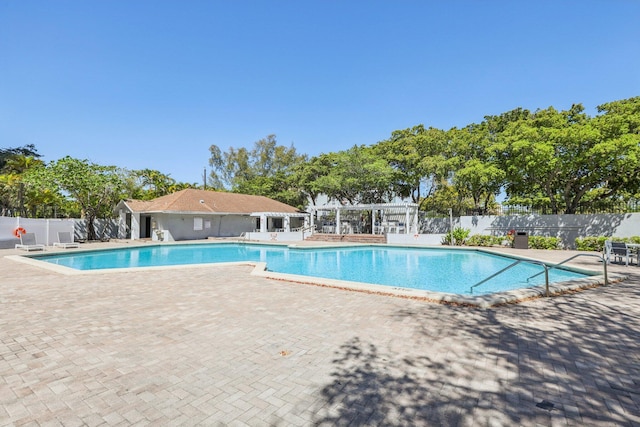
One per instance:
(260, 269)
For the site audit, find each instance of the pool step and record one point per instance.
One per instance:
(356, 238)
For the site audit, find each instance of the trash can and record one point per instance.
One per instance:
(521, 240)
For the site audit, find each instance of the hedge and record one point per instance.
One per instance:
(596, 244)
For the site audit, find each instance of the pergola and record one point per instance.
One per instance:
(379, 218)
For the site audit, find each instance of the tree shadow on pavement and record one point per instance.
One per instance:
(573, 360)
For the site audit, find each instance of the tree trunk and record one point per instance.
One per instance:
(23, 211)
(91, 230)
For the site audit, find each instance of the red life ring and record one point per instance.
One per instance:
(19, 232)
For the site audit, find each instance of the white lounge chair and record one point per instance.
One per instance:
(28, 243)
(65, 240)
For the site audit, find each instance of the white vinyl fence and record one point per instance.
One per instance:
(566, 227)
(46, 230)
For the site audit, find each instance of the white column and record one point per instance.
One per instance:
(287, 223)
(406, 219)
(337, 221)
(135, 226)
(373, 221)
(263, 223)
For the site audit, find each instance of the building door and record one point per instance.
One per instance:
(145, 227)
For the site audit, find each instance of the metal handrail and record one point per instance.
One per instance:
(310, 228)
(601, 257)
(546, 273)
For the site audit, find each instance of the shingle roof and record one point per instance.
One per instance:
(204, 201)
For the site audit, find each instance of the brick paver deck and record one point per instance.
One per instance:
(214, 346)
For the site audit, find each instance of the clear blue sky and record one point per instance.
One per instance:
(152, 84)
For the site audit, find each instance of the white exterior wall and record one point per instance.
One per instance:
(135, 226)
(286, 236)
(122, 224)
(415, 239)
(181, 227)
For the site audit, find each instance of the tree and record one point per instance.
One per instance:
(95, 188)
(417, 155)
(230, 169)
(147, 184)
(306, 176)
(567, 160)
(153, 183)
(12, 190)
(28, 150)
(475, 173)
(357, 175)
(267, 170)
(43, 196)
(445, 197)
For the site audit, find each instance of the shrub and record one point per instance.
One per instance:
(459, 235)
(483, 240)
(591, 243)
(596, 244)
(540, 242)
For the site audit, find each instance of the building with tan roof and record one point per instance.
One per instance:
(199, 214)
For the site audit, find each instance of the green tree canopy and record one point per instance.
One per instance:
(566, 160)
(147, 184)
(475, 175)
(417, 155)
(28, 150)
(267, 170)
(94, 188)
(15, 163)
(356, 175)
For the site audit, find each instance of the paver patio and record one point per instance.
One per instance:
(215, 346)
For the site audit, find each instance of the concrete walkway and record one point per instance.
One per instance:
(214, 346)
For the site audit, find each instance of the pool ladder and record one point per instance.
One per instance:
(546, 270)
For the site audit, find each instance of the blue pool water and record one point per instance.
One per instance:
(432, 269)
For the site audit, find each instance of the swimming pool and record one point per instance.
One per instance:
(444, 270)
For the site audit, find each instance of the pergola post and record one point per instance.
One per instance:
(338, 221)
(312, 220)
(406, 220)
(373, 221)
